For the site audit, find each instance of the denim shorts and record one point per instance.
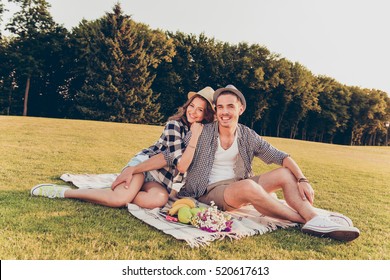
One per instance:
(137, 160)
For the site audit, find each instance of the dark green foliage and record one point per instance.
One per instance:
(35, 62)
(115, 69)
(1, 14)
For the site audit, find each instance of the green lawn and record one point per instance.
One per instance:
(352, 180)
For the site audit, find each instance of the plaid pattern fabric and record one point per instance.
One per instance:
(171, 144)
(250, 144)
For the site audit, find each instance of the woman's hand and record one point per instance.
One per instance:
(196, 129)
(125, 177)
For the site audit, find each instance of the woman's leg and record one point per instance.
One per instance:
(151, 195)
(118, 197)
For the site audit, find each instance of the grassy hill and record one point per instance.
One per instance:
(352, 180)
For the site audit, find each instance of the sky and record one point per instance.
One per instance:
(344, 39)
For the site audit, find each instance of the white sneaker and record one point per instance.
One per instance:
(49, 190)
(322, 226)
(340, 219)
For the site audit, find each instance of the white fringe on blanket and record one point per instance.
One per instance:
(247, 221)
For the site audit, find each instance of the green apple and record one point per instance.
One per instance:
(195, 211)
(184, 215)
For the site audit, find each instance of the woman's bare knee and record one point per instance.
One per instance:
(116, 201)
(152, 195)
(160, 199)
(121, 196)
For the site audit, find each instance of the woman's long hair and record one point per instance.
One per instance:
(181, 112)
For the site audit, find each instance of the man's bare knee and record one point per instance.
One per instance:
(285, 176)
(244, 192)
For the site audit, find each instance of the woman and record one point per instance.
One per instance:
(150, 189)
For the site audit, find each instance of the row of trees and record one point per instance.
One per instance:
(115, 69)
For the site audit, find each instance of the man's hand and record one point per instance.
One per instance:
(125, 177)
(306, 191)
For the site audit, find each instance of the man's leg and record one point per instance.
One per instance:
(247, 191)
(282, 178)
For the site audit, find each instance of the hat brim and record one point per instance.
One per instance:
(218, 92)
(207, 98)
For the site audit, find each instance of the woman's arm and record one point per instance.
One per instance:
(180, 151)
(172, 156)
(186, 159)
(153, 163)
(173, 142)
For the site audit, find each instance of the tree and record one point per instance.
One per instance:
(7, 77)
(281, 96)
(250, 71)
(114, 69)
(304, 99)
(376, 116)
(175, 79)
(37, 50)
(2, 9)
(359, 111)
(332, 118)
(3, 72)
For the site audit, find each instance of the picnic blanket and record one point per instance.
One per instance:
(89, 181)
(246, 220)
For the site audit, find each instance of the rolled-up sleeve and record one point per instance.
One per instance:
(268, 153)
(174, 143)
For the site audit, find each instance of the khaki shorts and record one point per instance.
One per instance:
(215, 192)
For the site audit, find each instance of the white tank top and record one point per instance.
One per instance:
(224, 162)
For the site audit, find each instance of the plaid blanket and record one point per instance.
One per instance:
(246, 220)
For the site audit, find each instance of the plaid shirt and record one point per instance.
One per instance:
(171, 144)
(250, 144)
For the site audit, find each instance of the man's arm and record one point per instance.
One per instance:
(304, 187)
(153, 163)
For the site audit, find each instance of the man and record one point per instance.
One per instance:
(221, 172)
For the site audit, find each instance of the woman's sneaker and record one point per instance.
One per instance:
(49, 190)
(322, 226)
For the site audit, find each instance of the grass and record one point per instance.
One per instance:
(351, 180)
